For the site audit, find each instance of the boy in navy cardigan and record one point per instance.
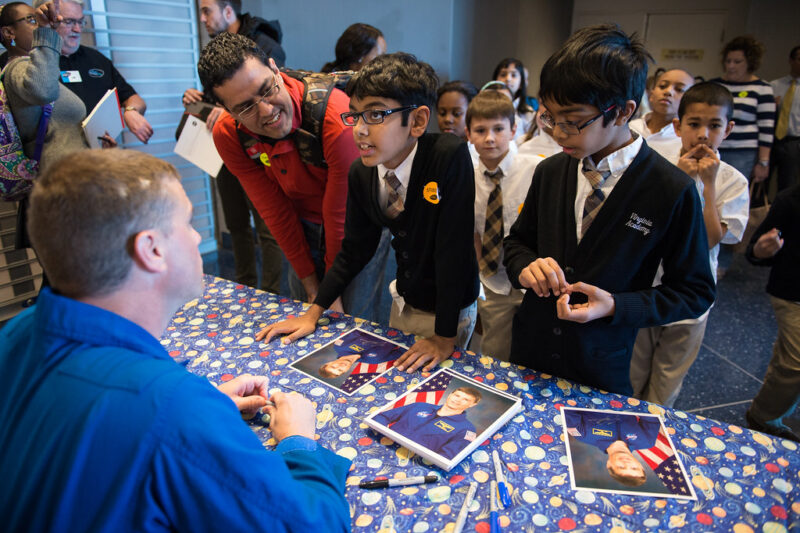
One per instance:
(421, 187)
(597, 221)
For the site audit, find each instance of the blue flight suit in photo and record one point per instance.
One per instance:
(445, 435)
(371, 349)
(601, 429)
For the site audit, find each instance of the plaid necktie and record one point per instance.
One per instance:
(595, 200)
(493, 230)
(393, 186)
(782, 127)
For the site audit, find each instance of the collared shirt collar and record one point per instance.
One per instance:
(505, 164)
(619, 160)
(403, 170)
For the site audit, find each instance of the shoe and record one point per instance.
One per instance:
(780, 432)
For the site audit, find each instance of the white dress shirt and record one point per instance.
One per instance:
(403, 173)
(517, 175)
(664, 141)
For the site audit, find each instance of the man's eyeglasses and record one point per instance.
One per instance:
(30, 19)
(250, 111)
(570, 128)
(72, 22)
(372, 116)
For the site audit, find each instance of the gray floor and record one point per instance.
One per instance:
(736, 349)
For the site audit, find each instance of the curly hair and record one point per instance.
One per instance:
(752, 49)
(223, 56)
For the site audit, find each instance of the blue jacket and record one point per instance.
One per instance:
(445, 435)
(602, 429)
(103, 431)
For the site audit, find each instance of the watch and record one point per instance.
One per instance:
(131, 108)
(764, 163)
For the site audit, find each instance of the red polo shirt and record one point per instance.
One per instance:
(289, 190)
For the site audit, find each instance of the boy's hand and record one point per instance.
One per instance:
(543, 276)
(768, 244)
(294, 328)
(191, 96)
(432, 350)
(707, 165)
(248, 392)
(601, 304)
(292, 414)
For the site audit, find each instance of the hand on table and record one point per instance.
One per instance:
(601, 304)
(292, 414)
(432, 350)
(293, 328)
(544, 276)
(248, 392)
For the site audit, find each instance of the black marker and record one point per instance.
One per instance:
(386, 483)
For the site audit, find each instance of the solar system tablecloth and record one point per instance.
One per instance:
(744, 481)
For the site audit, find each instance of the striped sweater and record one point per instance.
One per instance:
(753, 113)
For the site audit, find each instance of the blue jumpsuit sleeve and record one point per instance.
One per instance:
(454, 444)
(211, 473)
(392, 415)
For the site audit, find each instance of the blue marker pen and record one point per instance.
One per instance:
(502, 490)
(494, 519)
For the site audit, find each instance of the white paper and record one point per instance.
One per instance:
(105, 117)
(196, 145)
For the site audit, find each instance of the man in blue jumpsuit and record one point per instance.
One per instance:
(444, 430)
(102, 429)
(616, 434)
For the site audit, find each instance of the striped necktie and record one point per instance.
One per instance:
(393, 186)
(782, 127)
(595, 200)
(493, 229)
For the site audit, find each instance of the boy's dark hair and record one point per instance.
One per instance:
(222, 57)
(752, 49)
(599, 66)
(356, 42)
(398, 76)
(522, 92)
(708, 93)
(457, 86)
(490, 104)
(794, 51)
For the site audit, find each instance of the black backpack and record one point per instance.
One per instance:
(317, 89)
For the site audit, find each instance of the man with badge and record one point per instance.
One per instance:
(445, 430)
(90, 74)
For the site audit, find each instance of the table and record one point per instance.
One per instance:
(745, 481)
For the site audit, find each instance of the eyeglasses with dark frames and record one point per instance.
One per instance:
(570, 128)
(30, 19)
(372, 116)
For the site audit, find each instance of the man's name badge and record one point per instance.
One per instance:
(71, 76)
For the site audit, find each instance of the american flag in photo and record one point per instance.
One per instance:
(362, 373)
(429, 392)
(661, 459)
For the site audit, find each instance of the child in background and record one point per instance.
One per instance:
(656, 126)
(776, 243)
(502, 178)
(597, 221)
(451, 106)
(663, 355)
(419, 185)
(512, 72)
(539, 139)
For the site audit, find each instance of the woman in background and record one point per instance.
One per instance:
(358, 45)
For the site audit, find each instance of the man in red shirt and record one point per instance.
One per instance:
(302, 204)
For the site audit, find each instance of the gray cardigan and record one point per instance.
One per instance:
(32, 82)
